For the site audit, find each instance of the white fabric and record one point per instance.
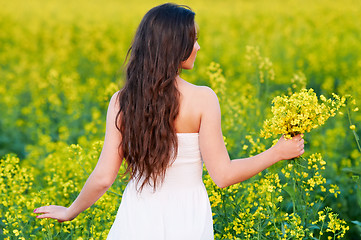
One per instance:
(178, 209)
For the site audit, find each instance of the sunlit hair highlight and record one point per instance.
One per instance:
(149, 101)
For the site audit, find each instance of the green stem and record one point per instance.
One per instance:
(224, 204)
(273, 216)
(353, 131)
(259, 230)
(319, 237)
(323, 223)
(117, 194)
(294, 185)
(81, 165)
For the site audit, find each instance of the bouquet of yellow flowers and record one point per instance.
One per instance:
(299, 113)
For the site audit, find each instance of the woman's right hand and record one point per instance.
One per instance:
(290, 148)
(59, 213)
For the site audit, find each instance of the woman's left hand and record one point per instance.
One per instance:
(59, 213)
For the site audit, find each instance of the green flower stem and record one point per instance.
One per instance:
(353, 131)
(117, 194)
(259, 229)
(323, 223)
(224, 204)
(293, 160)
(319, 236)
(270, 210)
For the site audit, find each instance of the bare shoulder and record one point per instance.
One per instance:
(206, 97)
(195, 102)
(199, 93)
(114, 96)
(207, 93)
(203, 97)
(113, 103)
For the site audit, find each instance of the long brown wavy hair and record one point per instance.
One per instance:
(149, 101)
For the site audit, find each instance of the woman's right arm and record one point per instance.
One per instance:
(100, 179)
(226, 172)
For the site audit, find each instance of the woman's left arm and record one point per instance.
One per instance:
(100, 179)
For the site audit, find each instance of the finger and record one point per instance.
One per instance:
(39, 210)
(300, 137)
(297, 137)
(47, 215)
(302, 151)
(43, 209)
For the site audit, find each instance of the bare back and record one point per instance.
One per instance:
(189, 117)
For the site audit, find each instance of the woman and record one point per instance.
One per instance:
(165, 128)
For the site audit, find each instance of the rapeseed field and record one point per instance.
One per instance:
(61, 61)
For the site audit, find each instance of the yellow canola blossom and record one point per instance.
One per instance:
(299, 113)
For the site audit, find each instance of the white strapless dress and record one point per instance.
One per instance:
(178, 210)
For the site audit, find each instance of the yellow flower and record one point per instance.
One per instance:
(299, 113)
(16, 232)
(352, 127)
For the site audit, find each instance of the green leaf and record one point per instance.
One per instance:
(356, 223)
(352, 170)
(314, 227)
